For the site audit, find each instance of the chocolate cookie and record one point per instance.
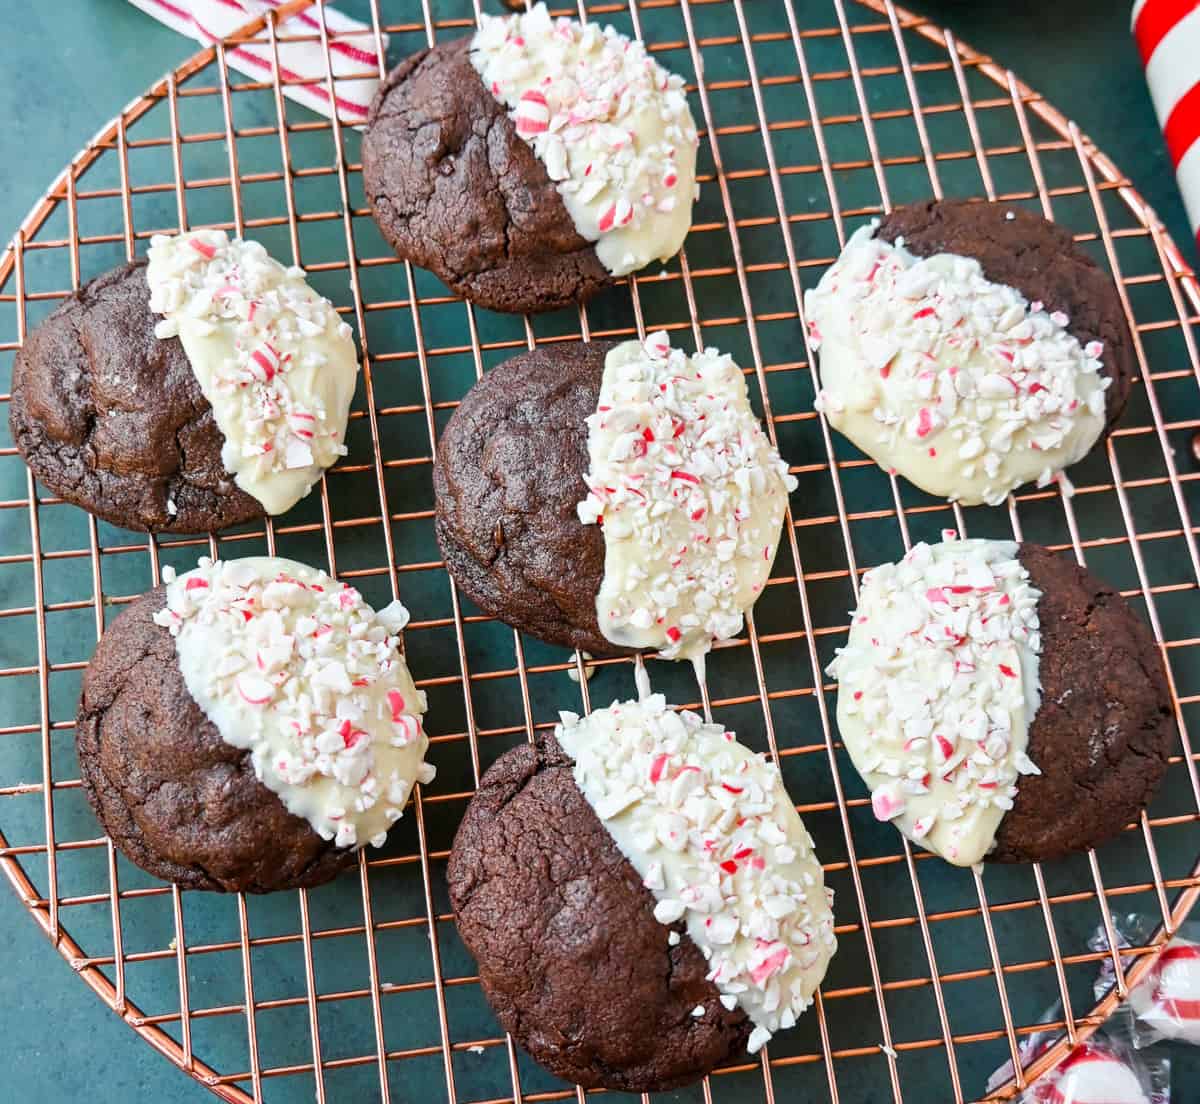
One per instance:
(970, 347)
(1104, 729)
(570, 955)
(456, 190)
(612, 497)
(531, 164)
(1041, 260)
(248, 725)
(508, 477)
(1001, 702)
(641, 896)
(112, 418)
(177, 799)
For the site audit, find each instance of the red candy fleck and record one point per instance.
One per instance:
(1007, 671)
(196, 583)
(658, 766)
(203, 248)
(396, 704)
(673, 634)
(729, 866)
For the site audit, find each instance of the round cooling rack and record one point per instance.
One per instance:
(814, 116)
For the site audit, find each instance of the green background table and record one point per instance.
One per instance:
(66, 67)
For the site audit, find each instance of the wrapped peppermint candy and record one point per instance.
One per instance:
(1165, 1003)
(1107, 1069)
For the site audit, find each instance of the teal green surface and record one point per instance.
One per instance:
(65, 68)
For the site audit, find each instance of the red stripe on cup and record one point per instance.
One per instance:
(1182, 127)
(1156, 20)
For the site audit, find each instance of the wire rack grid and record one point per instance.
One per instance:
(814, 117)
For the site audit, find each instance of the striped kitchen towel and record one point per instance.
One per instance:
(1167, 33)
(352, 49)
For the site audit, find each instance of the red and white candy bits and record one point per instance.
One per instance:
(716, 839)
(955, 382)
(293, 666)
(937, 688)
(691, 495)
(272, 357)
(611, 126)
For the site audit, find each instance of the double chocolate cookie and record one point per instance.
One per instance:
(530, 165)
(622, 941)
(971, 347)
(248, 726)
(611, 497)
(1001, 702)
(203, 389)
(113, 419)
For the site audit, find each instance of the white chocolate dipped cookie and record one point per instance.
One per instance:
(250, 725)
(205, 388)
(969, 347)
(985, 696)
(688, 850)
(566, 158)
(612, 497)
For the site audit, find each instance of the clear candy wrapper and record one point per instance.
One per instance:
(1107, 1069)
(1165, 1004)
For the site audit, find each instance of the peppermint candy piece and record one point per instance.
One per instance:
(710, 829)
(611, 126)
(294, 667)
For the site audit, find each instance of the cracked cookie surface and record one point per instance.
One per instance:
(508, 476)
(570, 955)
(1104, 730)
(112, 419)
(455, 189)
(177, 799)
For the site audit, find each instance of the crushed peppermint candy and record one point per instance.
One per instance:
(611, 126)
(690, 493)
(296, 668)
(937, 687)
(957, 383)
(272, 357)
(710, 829)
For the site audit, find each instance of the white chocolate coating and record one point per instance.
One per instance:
(937, 687)
(690, 493)
(611, 126)
(271, 356)
(715, 837)
(294, 666)
(957, 383)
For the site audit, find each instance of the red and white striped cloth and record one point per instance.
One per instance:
(1167, 33)
(352, 49)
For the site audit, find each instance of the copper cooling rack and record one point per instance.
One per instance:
(814, 116)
